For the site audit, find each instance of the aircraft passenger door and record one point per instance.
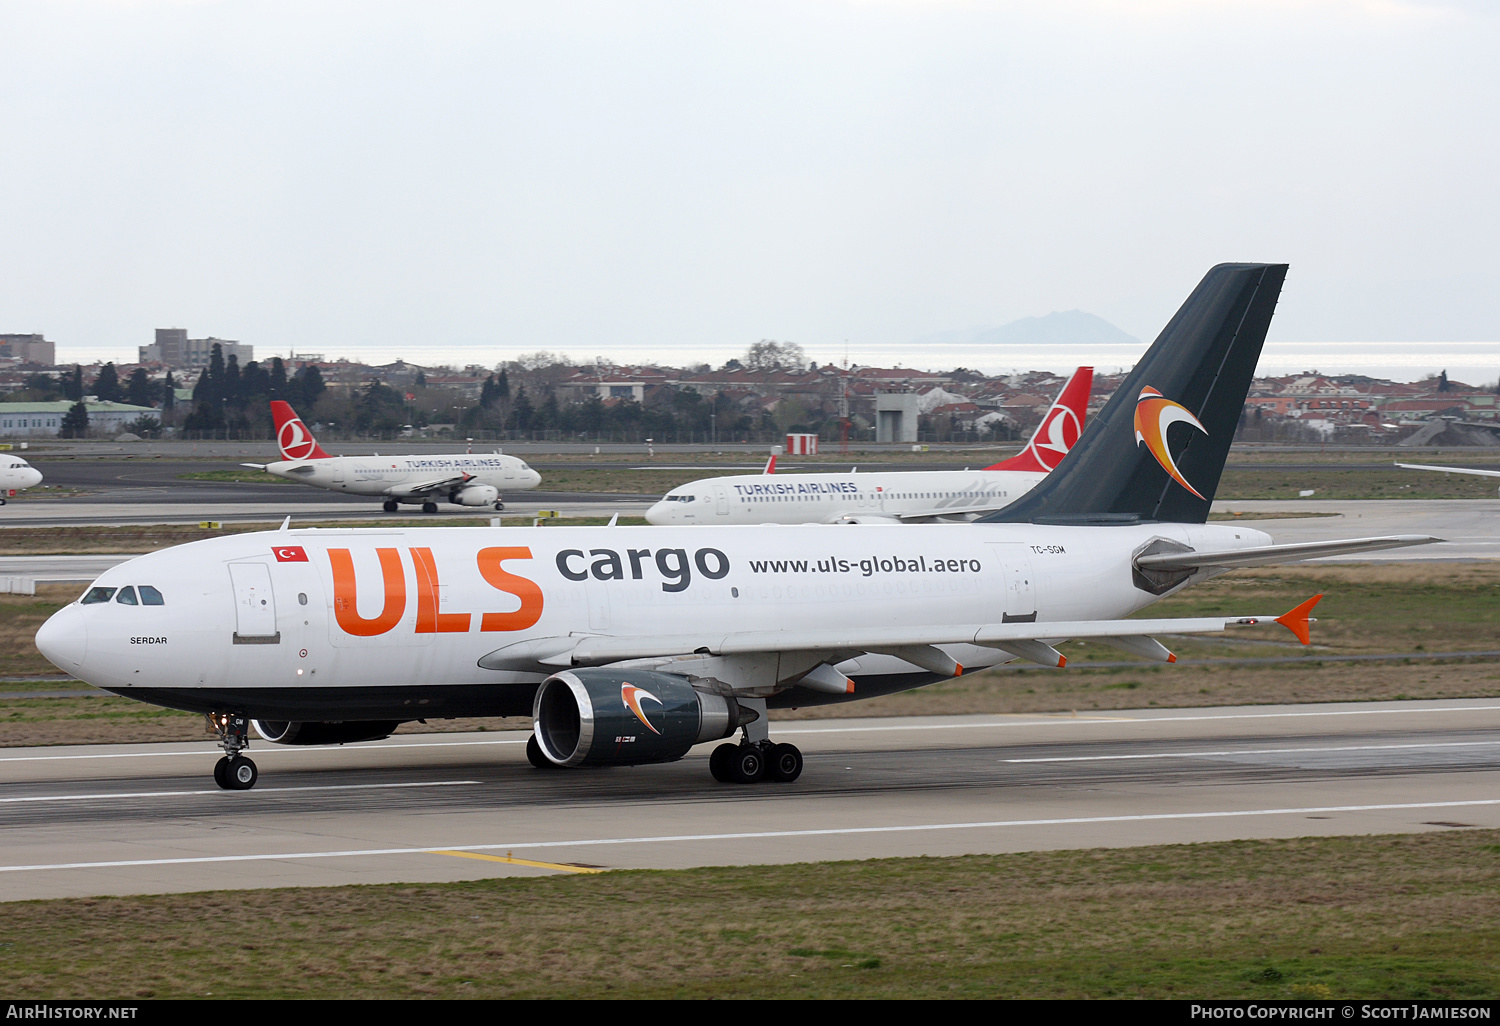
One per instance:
(721, 501)
(254, 605)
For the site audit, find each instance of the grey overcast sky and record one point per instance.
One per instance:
(432, 178)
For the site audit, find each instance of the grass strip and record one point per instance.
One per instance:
(1410, 916)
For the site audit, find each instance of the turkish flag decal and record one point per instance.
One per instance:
(290, 554)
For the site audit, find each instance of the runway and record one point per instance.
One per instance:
(147, 818)
(1470, 527)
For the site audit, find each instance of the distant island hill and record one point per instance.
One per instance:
(1068, 327)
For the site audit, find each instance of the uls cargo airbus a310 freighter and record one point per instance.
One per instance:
(631, 645)
(465, 479)
(883, 497)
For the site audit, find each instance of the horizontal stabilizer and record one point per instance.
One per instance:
(1270, 555)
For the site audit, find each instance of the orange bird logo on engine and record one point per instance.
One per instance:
(631, 696)
(1153, 415)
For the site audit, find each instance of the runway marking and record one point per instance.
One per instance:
(752, 835)
(1060, 719)
(563, 866)
(258, 751)
(1020, 720)
(217, 790)
(1254, 751)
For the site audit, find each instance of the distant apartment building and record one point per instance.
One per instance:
(28, 349)
(173, 348)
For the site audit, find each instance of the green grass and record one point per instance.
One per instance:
(1399, 917)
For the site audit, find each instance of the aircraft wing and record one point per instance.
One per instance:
(1452, 470)
(437, 484)
(1270, 555)
(1026, 640)
(935, 514)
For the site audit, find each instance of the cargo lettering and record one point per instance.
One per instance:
(672, 565)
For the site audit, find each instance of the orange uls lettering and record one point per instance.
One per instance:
(522, 588)
(346, 594)
(429, 620)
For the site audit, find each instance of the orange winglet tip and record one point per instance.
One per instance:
(1297, 620)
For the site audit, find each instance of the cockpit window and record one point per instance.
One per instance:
(97, 595)
(126, 597)
(681, 498)
(150, 596)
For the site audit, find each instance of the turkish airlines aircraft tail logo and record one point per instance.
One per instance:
(296, 441)
(1153, 415)
(1059, 429)
(631, 696)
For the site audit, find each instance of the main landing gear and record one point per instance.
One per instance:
(755, 757)
(390, 505)
(234, 772)
(429, 507)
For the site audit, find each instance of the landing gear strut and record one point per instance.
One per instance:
(234, 772)
(755, 757)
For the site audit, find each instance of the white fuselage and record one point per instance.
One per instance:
(16, 474)
(826, 498)
(397, 475)
(306, 617)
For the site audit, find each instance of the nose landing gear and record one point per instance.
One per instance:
(234, 772)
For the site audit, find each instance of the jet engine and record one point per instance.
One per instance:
(606, 717)
(476, 495)
(291, 732)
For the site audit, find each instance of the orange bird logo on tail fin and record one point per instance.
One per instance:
(1153, 415)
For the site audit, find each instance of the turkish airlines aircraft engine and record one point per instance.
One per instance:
(476, 495)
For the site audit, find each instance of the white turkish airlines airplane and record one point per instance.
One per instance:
(633, 644)
(16, 475)
(768, 498)
(465, 480)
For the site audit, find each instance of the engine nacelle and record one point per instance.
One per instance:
(604, 717)
(476, 495)
(291, 732)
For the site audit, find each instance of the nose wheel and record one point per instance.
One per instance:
(234, 772)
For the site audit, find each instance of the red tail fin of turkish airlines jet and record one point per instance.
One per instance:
(296, 441)
(1058, 430)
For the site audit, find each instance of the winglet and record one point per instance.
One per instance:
(1297, 620)
(770, 465)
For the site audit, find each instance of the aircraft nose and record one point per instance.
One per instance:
(32, 477)
(64, 638)
(656, 514)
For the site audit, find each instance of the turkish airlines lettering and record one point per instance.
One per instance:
(465, 479)
(883, 497)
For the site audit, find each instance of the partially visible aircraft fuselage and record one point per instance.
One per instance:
(826, 498)
(392, 624)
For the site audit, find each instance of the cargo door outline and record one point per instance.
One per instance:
(254, 605)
